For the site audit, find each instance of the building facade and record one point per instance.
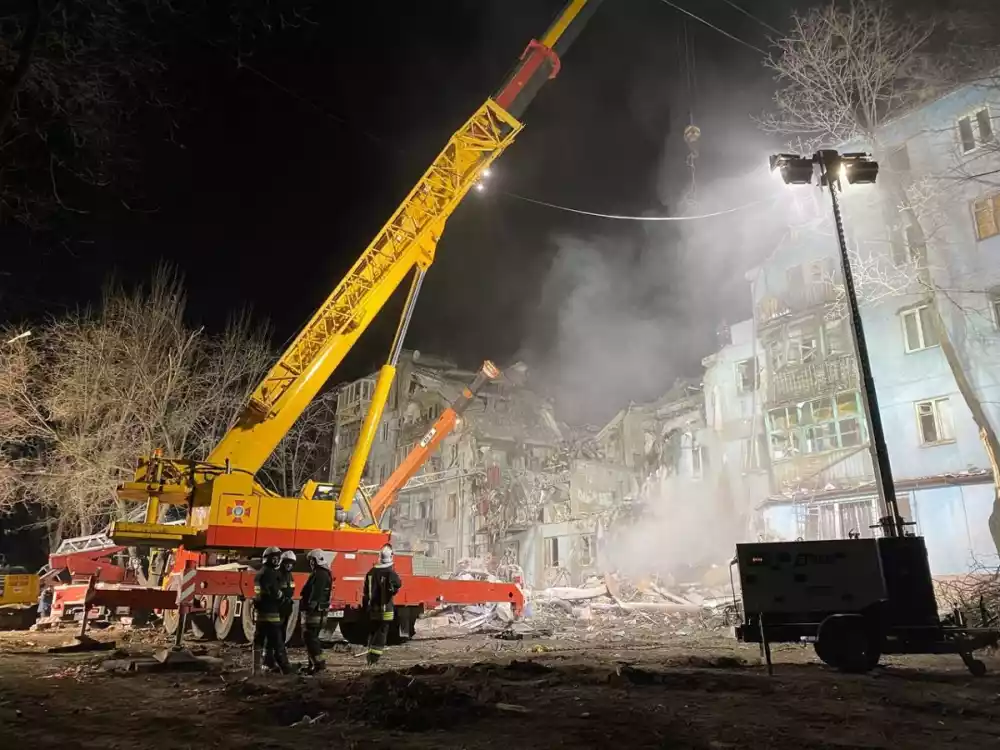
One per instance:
(925, 247)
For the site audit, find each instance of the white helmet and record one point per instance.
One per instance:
(319, 557)
(288, 556)
(385, 555)
(271, 552)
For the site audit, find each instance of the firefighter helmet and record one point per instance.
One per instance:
(288, 556)
(385, 555)
(270, 555)
(319, 557)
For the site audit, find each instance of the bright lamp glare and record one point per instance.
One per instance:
(487, 172)
(480, 187)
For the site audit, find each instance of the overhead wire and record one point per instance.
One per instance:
(710, 25)
(623, 217)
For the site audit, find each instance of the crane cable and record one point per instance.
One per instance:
(692, 133)
(621, 217)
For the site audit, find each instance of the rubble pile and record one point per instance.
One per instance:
(608, 609)
(603, 609)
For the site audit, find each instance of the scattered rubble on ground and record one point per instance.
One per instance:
(601, 609)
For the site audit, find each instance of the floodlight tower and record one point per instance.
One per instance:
(857, 169)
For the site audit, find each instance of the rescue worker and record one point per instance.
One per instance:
(315, 601)
(268, 635)
(381, 584)
(287, 584)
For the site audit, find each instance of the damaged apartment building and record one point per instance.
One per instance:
(503, 490)
(512, 489)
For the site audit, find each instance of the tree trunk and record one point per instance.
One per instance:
(986, 432)
(25, 51)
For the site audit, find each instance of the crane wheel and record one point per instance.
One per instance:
(249, 619)
(227, 626)
(202, 625)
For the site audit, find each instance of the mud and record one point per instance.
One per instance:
(472, 691)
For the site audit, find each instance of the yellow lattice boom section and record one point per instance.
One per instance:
(408, 239)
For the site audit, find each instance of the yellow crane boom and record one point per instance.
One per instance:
(220, 491)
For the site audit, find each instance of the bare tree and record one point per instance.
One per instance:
(843, 71)
(91, 391)
(305, 450)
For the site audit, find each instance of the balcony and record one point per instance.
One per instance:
(800, 382)
(795, 299)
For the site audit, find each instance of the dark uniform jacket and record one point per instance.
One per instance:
(381, 584)
(267, 594)
(287, 585)
(316, 592)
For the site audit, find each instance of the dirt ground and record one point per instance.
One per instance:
(458, 690)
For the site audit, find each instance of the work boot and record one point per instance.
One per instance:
(317, 667)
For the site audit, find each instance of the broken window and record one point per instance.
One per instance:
(975, 130)
(918, 329)
(803, 344)
(452, 506)
(816, 426)
(449, 558)
(432, 527)
(776, 355)
(552, 552)
(747, 375)
(934, 421)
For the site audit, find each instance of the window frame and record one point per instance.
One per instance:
(976, 129)
(922, 333)
(991, 203)
(936, 414)
(754, 363)
(806, 433)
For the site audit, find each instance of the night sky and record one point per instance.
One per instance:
(271, 189)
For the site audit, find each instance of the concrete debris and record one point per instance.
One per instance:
(605, 608)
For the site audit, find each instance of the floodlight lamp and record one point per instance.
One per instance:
(794, 169)
(480, 187)
(862, 172)
(487, 172)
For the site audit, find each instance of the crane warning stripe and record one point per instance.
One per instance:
(186, 588)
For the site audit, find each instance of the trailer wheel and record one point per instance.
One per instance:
(848, 643)
(293, 631)
(227, 628)
(249, 619)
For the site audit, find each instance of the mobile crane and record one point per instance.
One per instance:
(228, 513)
